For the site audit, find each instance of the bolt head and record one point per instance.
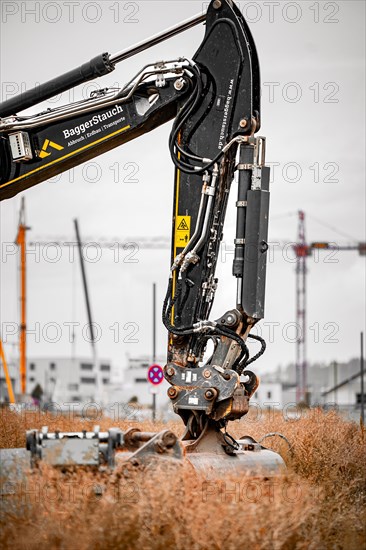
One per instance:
(179, 84)
(172, 393)
(170, 371)
(217, 4)
(243, 123)
(206, 373)
(209, 395)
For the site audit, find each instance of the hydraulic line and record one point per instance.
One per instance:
(198, 228)
(260, 352)
(100, 65)
(192, 257)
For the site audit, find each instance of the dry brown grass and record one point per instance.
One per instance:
(318, 504)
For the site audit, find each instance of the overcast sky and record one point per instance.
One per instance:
(312, 68)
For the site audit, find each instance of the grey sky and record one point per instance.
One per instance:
(312, 115)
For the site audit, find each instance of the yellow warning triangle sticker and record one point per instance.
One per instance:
(182, 231)
(47, 143)
(183, 226)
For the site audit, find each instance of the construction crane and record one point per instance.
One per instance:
(88, 308)
(21, 242)
(303, 250)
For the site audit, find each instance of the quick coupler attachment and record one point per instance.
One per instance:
(98, 448)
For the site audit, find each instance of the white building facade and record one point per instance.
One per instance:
(13, 369)
(62, 379)
(346, 396)
(268, 395)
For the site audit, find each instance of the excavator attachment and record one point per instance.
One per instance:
(215, 455)
(101, 448)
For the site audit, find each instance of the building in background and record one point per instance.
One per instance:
(73, 380)
(346, 396)
(61, 379)
(68, 379)
(268, 395)
(13, 367)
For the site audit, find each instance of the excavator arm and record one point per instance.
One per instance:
(33, 149)
(214, 99)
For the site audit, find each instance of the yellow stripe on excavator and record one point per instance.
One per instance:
(66, 156)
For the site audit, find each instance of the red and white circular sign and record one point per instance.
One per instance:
(155, 374)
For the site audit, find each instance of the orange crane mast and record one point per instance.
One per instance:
(21, 242)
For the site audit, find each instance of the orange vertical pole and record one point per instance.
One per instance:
(7, 377)
(21, 241)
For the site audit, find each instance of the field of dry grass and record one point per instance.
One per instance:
(318, 504)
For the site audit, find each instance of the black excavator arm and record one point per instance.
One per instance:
(214, 100)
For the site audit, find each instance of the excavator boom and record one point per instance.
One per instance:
(214, 99)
